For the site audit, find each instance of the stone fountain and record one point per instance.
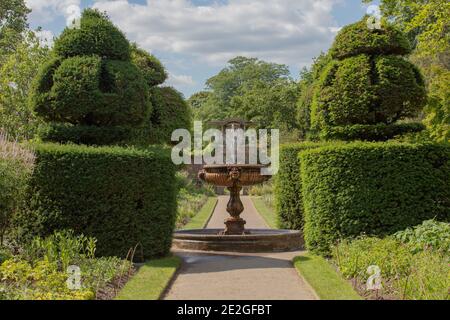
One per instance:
(235, 237)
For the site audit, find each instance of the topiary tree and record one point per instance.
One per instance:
(368, 86)
(170, 112)
(152, 69)
(91, 81)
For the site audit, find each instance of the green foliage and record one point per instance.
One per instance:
(426, 23)
(88, 135)
(170, 112)
(190, 198)
(430, 234)
(376, 132)
(13, 23)
(288, 186)
(368, 82)
(372, 188)
(90, 80)
(122, 197)
(405, 275)
(152, 69)
(358, 38)
(40, 271)
(17, 71)
(251, 89)
(16, 166)
(87, 90)
(97, 35)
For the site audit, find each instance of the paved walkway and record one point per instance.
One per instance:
(238, 276)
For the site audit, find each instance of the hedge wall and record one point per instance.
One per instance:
(120, 196)
(288, 195)
(372, 188)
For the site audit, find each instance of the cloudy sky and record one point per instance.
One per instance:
(195, 38)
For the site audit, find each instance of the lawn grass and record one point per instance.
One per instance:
(151, 280)
(200, 219)
(268, 214)
(327, 283)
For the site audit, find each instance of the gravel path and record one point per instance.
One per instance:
(238, 276)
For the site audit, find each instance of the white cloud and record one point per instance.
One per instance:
(285, 31)
(45, 11)
(180, 81)
(46, 37)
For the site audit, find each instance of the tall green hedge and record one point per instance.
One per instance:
(372, 188)
(288, 187)
(120, 196)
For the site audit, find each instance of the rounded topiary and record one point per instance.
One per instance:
(96, 35)
(91, 81)
(152, 69)
(367, 82)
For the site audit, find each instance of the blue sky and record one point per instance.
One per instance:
(195, 38)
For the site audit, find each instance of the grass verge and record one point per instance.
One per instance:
(268, 214)
(328, 284)
(151, 280)
(200, 220)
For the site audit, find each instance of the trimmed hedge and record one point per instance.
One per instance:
(357, 38)
(288, 186)
(87, 135)
(97, 35)
(376, 132)
(372, 188)
(120, 196)
(152, 69)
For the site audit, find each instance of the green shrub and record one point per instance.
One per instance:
(152, 69)
(88, 135)
(90, 80)
(170, 112)
(16, 166)
(404, 274)
(376, 132)
(357, 39)
(121, 197)
(372, 188)
(367, 83)
(97, 35)
(288, 194)
(430, 234)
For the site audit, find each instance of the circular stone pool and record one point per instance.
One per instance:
(258, 240)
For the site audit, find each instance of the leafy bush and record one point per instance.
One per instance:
(357, 38)
(430, 234)
(170, 112)
(97, 35)
(368, 83)
(190, 199)
(90, 80)
(288, 186)
(88, 135)
(120, 196)
(372, 188)
(376, 132)
(404, 274)
(152, 69)
(16, 166)
(40, 272)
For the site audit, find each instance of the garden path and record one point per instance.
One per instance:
(238, 276)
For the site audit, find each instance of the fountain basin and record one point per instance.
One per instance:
(257, 241)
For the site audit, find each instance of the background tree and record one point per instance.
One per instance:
(13, 23)
(251, 89)
(428, 26)
(17, 71)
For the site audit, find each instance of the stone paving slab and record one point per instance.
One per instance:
(238, 276)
